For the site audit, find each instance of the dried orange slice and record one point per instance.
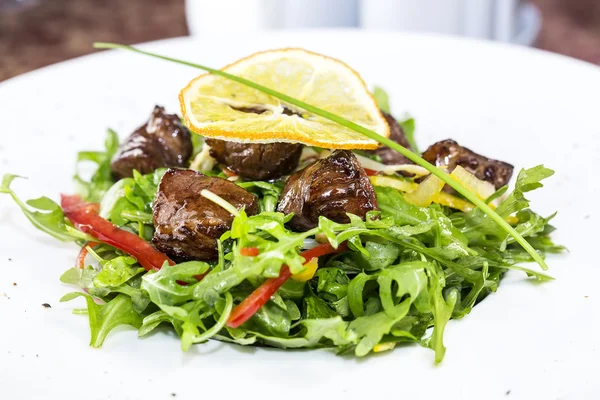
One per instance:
(217, 107)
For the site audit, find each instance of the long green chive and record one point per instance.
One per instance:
(218, 200)
(355, 127)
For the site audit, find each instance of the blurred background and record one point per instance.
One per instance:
(35, 33)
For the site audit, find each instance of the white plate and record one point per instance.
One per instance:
(528, 341)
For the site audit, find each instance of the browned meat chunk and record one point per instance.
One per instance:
(256, 161)
(389, 156)
(187, 224)
(161, 142)
(450, 154)
(330, 187)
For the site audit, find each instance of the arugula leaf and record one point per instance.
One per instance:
(164, 287)
(271, 319)
(52, 221)
(153, 320)
(117, 271)
(408, 127)
(105, 317)
(409, 279)
(382, 99)
(313, 333)
(132, 289)
(316, 308)
(102, 179)
(130, 199)
(482, 231)
(371, 329)
(332, 283)
(527, 180)
(442, 309)
(392, 204)
(80, 277)
(268, 193)
(292, 290)
(381, 255)
(191, 335)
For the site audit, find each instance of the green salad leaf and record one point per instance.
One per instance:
(130, 199)
(408, 124)
(409, 128)
(47, 216)
(382, 99)
(105, 317)
(93, 189)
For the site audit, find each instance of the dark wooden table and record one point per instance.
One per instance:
(56, 30)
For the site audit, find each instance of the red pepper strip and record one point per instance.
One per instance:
(245, 251)
(323, 250)
(85, 218)
(249, 251)
(80, 263)
(251, 304)
(370, 172)
(229, 172)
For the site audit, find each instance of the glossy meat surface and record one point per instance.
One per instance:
(450, 154)
(187, 225)
(331, 187)
(256, 161)
(163, 141)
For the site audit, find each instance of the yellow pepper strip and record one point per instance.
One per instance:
(425, 192)
(451, 201)
(384, 347)
(512, 219)
(309, 271)
(442, 198)
(400, 184)
(478, 187)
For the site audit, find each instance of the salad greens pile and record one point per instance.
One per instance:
(408, 269)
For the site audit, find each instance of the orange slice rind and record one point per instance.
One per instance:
(214, 106)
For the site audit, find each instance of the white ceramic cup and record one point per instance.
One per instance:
(505, 20)
(206, 16)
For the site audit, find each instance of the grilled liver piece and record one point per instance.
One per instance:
(256, 161)
(330, 187)
(187, 224)
(449, 153)
(161, 142)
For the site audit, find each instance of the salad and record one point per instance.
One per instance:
(280, 242)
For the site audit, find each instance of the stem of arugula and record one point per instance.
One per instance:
(355, 127)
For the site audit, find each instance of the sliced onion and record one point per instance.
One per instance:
(373, 165)
(407, 186)
(308, 154)
(203, 161)
(310, 243)
(481, 189)
(400, 184)
(426, 192)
